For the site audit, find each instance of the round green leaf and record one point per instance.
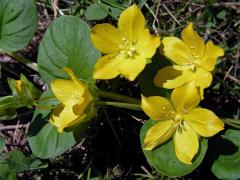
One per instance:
(16, 160)
(95, 12)
(67, 43)
(234, 136)
(6, 173)
(227, 166)
(44, 139)
(18, 22)
(164, 160)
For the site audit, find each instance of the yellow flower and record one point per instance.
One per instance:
(127, 47)
(74, 96)
(181, 119)
(193, 60)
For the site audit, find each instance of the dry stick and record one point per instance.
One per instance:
(229, 76)
(237, 81)
(55, 7)
(233, 5)
(226, 75)
(154, 16)
(169, 12)
(10, 127)
(155, 19)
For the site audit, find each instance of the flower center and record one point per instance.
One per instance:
(177, 118)
(193, 61)
(76, 99)
(179, 122)
(128, 49)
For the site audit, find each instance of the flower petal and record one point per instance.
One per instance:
(63, 116)
(211, 54)
(204, 122)
(158, 134)
(107, 67)
(186, 144)
(186, 97)
(170, 78)
(147, 44)
(193, 41)
(176, 50)
(157, 107)
(73, 77)
(203, 79)
(130, 68)
(66, 90)
(131, 23)
(79, 109)
(106, 38)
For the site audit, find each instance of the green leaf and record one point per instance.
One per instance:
(28, 93)
(8, 107)
(2, 144)
(95, 12)
(164, 160)
(16, 161)
(44, 139)
(148, 88)
(67, 43)
(6, 173)
(227, 166)
(222, 14)
(234, 136)
(18, 22)
(115, 12)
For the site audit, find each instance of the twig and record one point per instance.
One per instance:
(233, 5)
(155, 19)
(19, 126)
(169, 12)
(226, 75)
(229, 76)
(54, 7)
(153, 14)
(147, 172)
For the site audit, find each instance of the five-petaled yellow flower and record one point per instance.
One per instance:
(180, 119)
(193, 60)
(126, 48)
(75, 98)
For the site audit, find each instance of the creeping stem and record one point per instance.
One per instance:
(118, 97)
(122, 105)
(21, 59)
(232, 122)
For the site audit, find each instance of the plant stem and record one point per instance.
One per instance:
(118, 97)
(22, 59)
(232, 122)
(45, 98)
(136, 107)
(233, 125)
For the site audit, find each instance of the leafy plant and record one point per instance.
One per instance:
(70, 63)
